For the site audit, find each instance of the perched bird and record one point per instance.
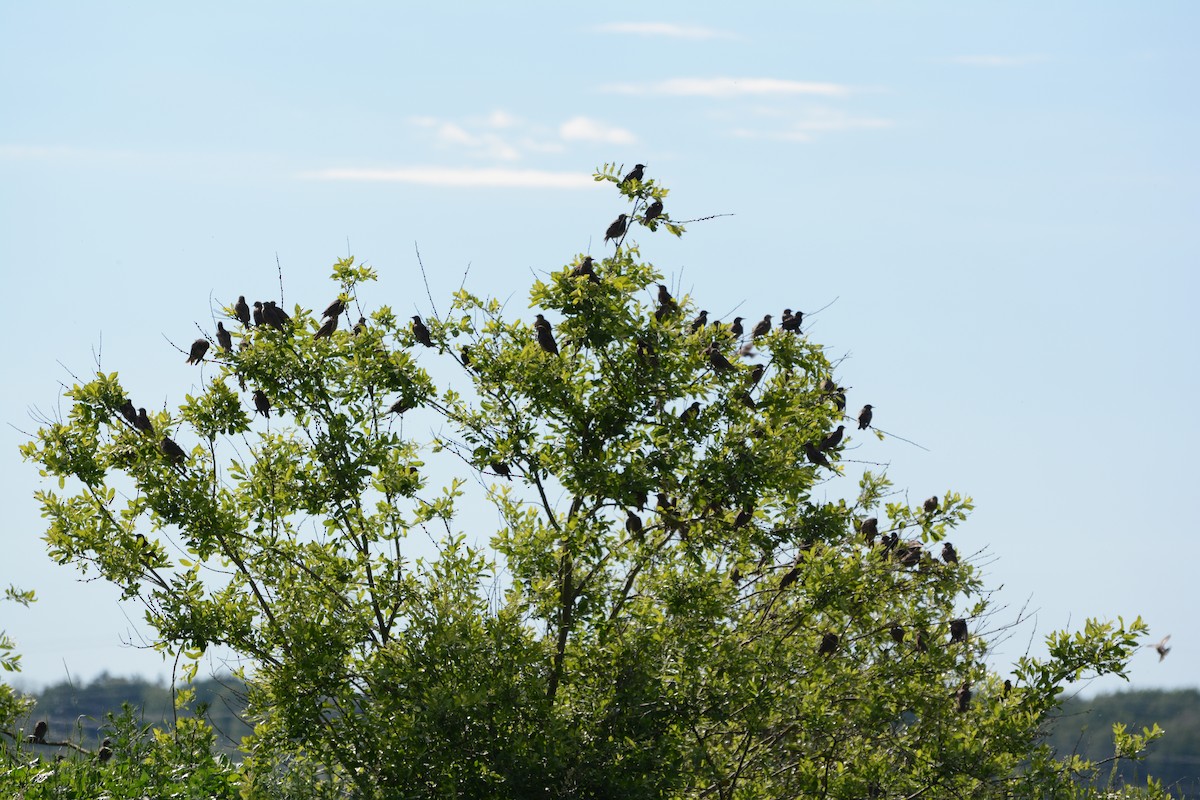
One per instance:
(828, 386)
(897, 634)
(1007, 687)
(1161, 647)
(142, 423)
(616, 230)
(633, 524)
(789, 578)
(664, 296)
(275, 316)
(585, 269)
(962, 697)
(262, 405)
(402, 405)
(930, 505)
(762, 328)
(922, 645)
(259, 317)
(756, 373)
(334, 309)
(545, 335)
(829, 643)
(700, 321)
(105, 752)
(736, 327)
(39, 732)
(864, 417)
(173, 452)
(420, 332)
(718, 360)
(949, 554)
(223, 337)
(833, 439)
(869, 528)
(464, 353)
(634, 174)
(242, 311)
(196, 354)
(653, 211)
(501, 469)
(815, 456)
(129, 412)
(958, 630)
(360, 326)
(735, 576)
(910, 554)
(691, 412)
(743, 518)
(747, 400)
(327, 328)
(839, 399)
(791, 322)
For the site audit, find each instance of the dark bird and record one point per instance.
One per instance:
(653, 211)
(735, 576)
(275, 316)
(718, 360)
(585, 269)
(962, 697)
(223, 337)
(1007, 687)
(241, 310)
(691, 412)
(828, 386)
(762, 328)
(949, 554)
(464, 353)
(833, 439)
(420, 332)
(958, 630)
(922, 645)
(105, 752)
(259, 317)
(756, 373)
(360, 326)
(743, 518)
(129, 412)
(262, 405)
(869, 528)
(700, 321)
(142, 423)
(864, 417)
(897, 634)
(910, 554)
(829, 643)
(545, 335)
(633, 524)
(789, 578)
(791, 322)
(635, 174)
(931, 505)
(334, 309)
(1161, 647)
(501, 469)
(196, 354)
(173, 452)
(616, 230)
(839, 399)
(39, 732)
(664, 296)
(815, 456)
(327, 328)
(402, 405)
(747, 400)
(736, 327)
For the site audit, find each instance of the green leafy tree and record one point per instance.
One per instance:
(670, 607)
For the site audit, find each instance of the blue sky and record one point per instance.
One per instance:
(1001, 199)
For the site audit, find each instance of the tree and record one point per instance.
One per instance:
(678, 612)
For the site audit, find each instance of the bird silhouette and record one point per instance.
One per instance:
(196, 354)
(958, 630)
(699, 322)
(829, 643)
(501, 469)
(420, 332)
(400, 406)
(833, 439)
(327, 328)
(39, 732)
(718, 360)
(142, 423)
(762, 328)
(334, 309)
(242, 311)
(1161, 647)
(949, 554)
(545, 335)
(360, 326)
(262, 405)
(616, 230)
(223, 337)
(634, 174)
(633, 524)
(930, 505)
(129, 412)
(962, 697)
(897, 634)
(869, 528)
(105, 752)
(585, 268)
(173, 452)
(275, 316)
(691, 412)
(789, 578)
(653, 211)
(864, 416)
(791, 322)
(736, 327)
(756, 373)
(815, 456)
(259, 317)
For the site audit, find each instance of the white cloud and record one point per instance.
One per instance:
(664, 29)
(814, 121)
(998, 61)
(460, 177)
(727, 87)
(586, 129)
(500, 119)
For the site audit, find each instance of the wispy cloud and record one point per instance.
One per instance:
(586, 129)
(811, 123)
(669, 29)
(728, 87)
(481, 144)
(998, 61)
(460, 177)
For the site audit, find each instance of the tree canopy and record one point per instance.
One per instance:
(671, 606)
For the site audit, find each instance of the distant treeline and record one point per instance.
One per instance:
(1083, 727)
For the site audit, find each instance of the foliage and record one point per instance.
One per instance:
(747, 637)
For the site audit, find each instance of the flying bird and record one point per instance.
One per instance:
(262, 405)
(864, 416)
(334, 309)
(762, 328)
(420, 332)
(949, 554)
(833, 439)
(653, 211)
(1161, 647)
(196, 354)
(327, 328)
(616, 230)
(223, 337)
(241, 310)
(634, 174)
